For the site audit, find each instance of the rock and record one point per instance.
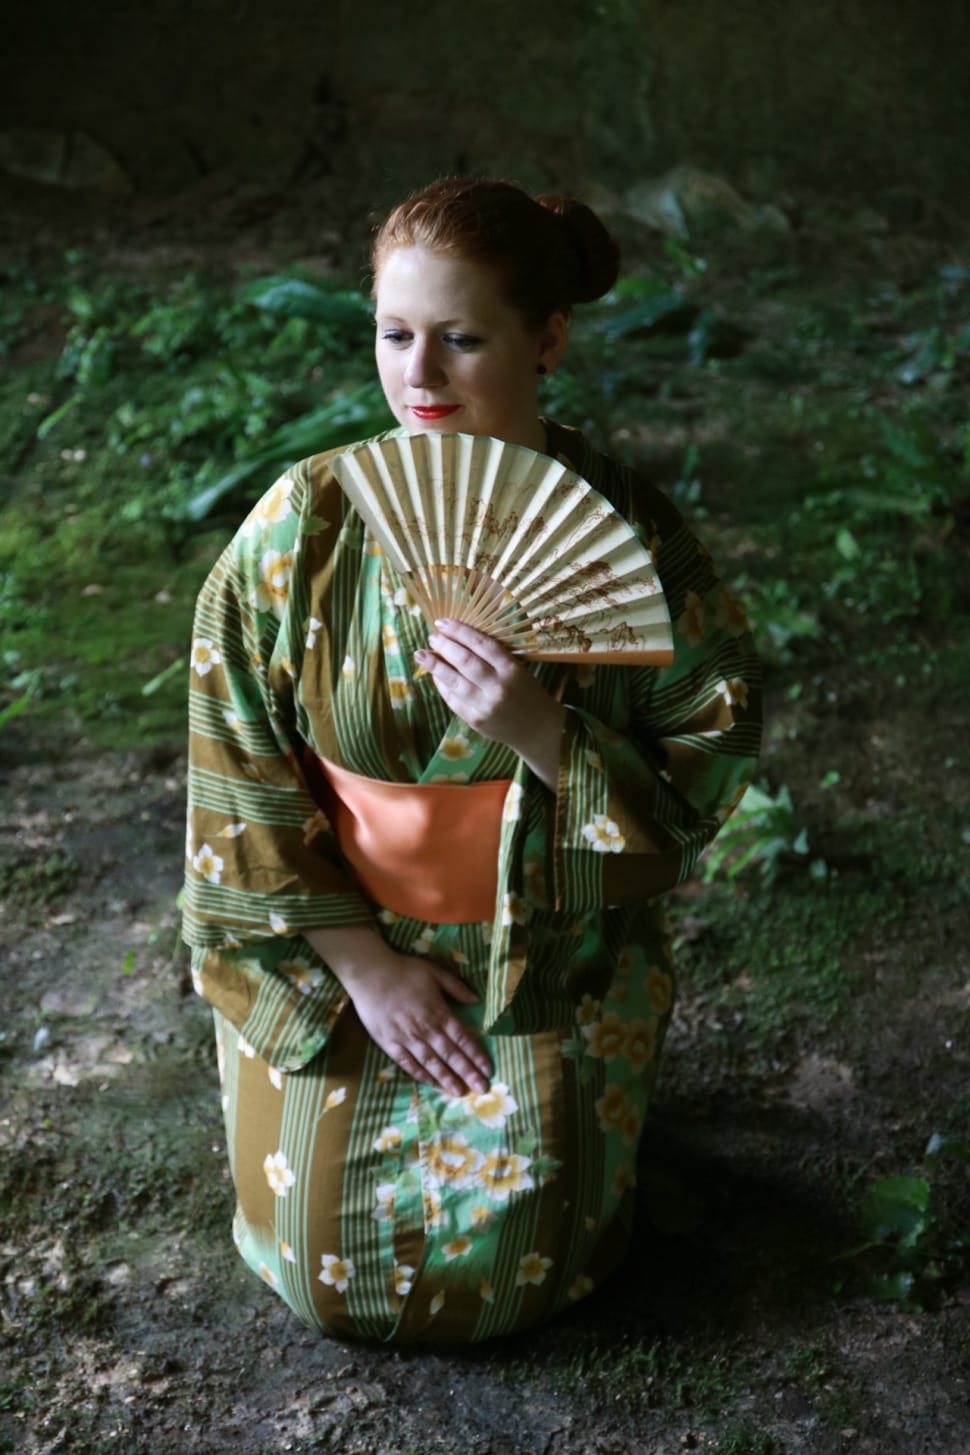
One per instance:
(690, 203)
(603, 200)
(658, 206)
(61, 159)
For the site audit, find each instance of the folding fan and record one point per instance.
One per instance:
(513, 543)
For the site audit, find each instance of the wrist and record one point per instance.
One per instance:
(352, 953)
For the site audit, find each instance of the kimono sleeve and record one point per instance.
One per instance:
(261, 861)
(654, 760)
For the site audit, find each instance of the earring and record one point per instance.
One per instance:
(541, 369)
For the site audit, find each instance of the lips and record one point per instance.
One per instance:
(433, 411)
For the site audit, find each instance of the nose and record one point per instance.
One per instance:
(424, 368)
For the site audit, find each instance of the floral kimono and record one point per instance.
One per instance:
(377, 1206)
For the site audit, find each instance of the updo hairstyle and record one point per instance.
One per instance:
(549, 252)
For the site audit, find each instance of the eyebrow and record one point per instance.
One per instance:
(396, 318)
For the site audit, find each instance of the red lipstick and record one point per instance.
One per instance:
(433, 411)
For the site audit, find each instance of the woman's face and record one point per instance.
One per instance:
(453, 355)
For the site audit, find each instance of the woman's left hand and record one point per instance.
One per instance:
(496, 694)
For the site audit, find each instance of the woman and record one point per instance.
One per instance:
(433, 1115)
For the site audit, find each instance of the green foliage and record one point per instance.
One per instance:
(233, 376)
(768, 966)
(942, 348)
(910, 1252)
(24, 294)
(292, 297)
(32, 883)
(762, 831)
(642, 305)
(780, 613)
(164, 404)
(856, 549)
(13, 709)
(349, 416)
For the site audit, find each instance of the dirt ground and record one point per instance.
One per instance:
(742, 1323)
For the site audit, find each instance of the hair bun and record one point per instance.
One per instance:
(597, 251)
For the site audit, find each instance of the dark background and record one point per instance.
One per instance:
(853, 96)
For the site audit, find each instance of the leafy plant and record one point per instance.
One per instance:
(13, 709)
(779, 619)
(342, 317)
(358, 413)
(911, 1252)
(762, 831)
(643, 305)
(293, 297)
(906, 472)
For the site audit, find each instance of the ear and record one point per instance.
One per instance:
(552, 339)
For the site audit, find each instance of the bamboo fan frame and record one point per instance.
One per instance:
(513, 543)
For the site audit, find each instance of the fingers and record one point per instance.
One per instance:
(447, 677)
(405, 1012)
(474, 679)
(413, 1067)
(446, 1067)
(469, 637)
(445, 1056)
(456, 1066)
(453, 985)
(470, 651)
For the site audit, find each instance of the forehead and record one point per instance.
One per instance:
(415, 281)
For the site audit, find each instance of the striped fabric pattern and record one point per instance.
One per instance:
(372, 1205)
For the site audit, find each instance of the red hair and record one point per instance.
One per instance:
(549, 252)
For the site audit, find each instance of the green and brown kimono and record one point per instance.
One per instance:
(376, 1206)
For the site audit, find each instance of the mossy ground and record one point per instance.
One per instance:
(820, 1039)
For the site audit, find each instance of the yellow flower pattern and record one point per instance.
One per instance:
(533, 1269)
(399, 691)
(275, 505)
(730, 614)
(492, 1107)
(605, 1037)
(456, 748)
(691, 623)
(504, 1173)
(445, 1201)
(390, 1140)
(273, 588)
(660, 989)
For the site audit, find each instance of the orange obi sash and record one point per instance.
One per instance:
(425, 850)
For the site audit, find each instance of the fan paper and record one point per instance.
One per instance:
(513, 543)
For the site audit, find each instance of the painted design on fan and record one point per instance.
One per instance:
(513, 543)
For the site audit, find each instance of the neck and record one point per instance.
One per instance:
(534, 437)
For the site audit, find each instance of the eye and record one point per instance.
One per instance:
(395, 336)
(464, 342)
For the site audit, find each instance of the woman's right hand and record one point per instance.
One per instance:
(401, 1001)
